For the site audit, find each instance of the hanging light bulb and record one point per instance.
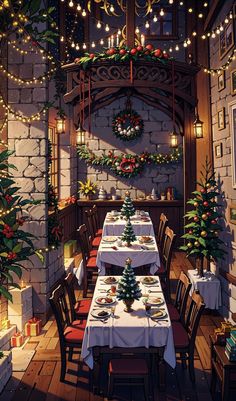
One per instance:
(177, 47)
(170, 50)
(107, 28)
(218, 31)
(84, 46)
(112, 9)
(71, 4)
(84, 13)
(99, 24)
(62, 38)
(73, 44)
(162, 12)
(79, 8)
(198, 126)
(205, 4)
(147, 24)
(188, 42)
(200, 15)
(221, 28)
(185, 44)
(194, 33)
(60, 124)
(190, 10)
(155, 18)
(101, 42)
(173, 139)
(171, 1)
(137, 30)
(93, 44)
(119, 32)
(77, 46)
(80, 135)
(226, 20)
(213, 35)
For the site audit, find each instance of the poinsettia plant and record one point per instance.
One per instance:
(128, 165)
(16, 245)
(124, 53)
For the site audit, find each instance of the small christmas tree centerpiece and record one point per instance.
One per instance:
(202, 231)
(128, 289)
(127, 209)
(128, 235)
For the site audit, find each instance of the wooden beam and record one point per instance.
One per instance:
(130, 23)
(229, 277)
(214, 9)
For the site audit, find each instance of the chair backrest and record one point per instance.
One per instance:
(168, 246)
(60, 309)
(181, 296)
(95, 217)
(89, 214)
(84, 241)
(71, 283)
(161, 231)
(193, 316)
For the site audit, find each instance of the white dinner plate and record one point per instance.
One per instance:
(96, 313)
(155, 301)
(99, 301)
(152, 281)
(109, 239)
(158, 314)
(109, 280)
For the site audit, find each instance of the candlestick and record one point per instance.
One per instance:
(117, 40)
(109, 42)
(112, 40)
(142, 40)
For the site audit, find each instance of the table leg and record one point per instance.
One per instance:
(225, 386)
(96, 370)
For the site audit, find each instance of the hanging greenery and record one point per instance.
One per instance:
(127, 125)
(129, 165)
(117, 54)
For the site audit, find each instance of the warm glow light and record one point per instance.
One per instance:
(80, 136)
(173, 139)
(162, 12)
(107, 28)
(99, 24)
(198, 127)
(60, 125)
(155, 18)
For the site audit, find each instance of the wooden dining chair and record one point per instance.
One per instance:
(125, 371)
(79, 308)
(163, 222)
(164, 270)
(98, 231)
(89, 257)
(70, 332)
(178, 308)
(185, 334)
(95, 239)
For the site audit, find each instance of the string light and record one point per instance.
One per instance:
(112, 9)
(155, 19)
(18, 80)
(162, 13)
(84, 46)
(147, 25)
(79, 8)
(137, 30)
(71, 4)
(107, 28)
(93, 44)
(84, 13)
(20, 117)
(99, 25)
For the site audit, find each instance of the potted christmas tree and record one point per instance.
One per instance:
(128, 289)
(128, 235)
(127, 209)
(202, 231)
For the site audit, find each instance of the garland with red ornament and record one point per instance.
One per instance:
(124, 53)
(128, 165)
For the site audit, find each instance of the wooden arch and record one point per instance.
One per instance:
(104, 82)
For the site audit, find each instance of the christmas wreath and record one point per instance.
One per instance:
(128, 165)
(127, 125)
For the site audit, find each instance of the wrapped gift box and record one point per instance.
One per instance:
(5, 323)
(68, 249)
(17, 339)
(33, 327)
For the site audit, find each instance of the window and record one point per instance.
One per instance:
(165, 27)
(54, 166)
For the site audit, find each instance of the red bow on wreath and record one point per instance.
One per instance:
(127, 166)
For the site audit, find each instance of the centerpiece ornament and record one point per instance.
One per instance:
(127, 125)
(128, 289)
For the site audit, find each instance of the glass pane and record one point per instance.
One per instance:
(155, 28)
(167, 28)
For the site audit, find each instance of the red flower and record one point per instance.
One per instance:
(7, 231)
(8, 198)
(11, 255)
(20, 222)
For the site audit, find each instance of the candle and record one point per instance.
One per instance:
(109, 42)
(112, 40)
(117, 40)
(22, 284)
(142, 40)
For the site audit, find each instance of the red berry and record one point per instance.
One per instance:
(208, 214)
(166, 55)
(158, 53)
(149, 47)
(213, 221)
(195, 218)
(202, 191)
(205, 203)
(92, 55)
(147, 52)
(122, 52)
(140, 48)
(133, 51)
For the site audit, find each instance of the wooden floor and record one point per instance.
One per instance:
(40, 382)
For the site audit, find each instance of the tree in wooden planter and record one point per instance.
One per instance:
(128, 289)
(127, 209)
(16, 244)
(128, 235)
(202, 231)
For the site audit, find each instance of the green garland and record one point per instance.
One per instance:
(128, 165)
(127, 125)
(124, 53)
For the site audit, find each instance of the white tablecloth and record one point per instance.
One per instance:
(133, 329)
(140, 227)
(139, 256)
(209, 288)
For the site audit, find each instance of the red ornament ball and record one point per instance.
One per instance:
(205, 204)
(202, 191)
(213, 221)
(122, 52)
(92, 55)
(133, 51)
(208, 214)
(112, 51)
(139, 48)
(195, 218)
(158, 53)
(149, 47)
(166, 55)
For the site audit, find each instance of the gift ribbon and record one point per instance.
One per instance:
(33, 320)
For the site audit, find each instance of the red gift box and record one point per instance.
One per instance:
(17, 340)
(33, 327)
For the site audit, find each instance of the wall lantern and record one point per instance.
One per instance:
(198, 127)
(80, 135)
(60, 124)
(173, 139)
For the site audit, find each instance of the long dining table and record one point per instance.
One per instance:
(137, 331)
(114, 224)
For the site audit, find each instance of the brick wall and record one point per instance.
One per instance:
(155, 138)
(223, 165)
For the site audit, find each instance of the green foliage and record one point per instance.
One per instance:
(203, 227)
(16, 245)
(128, 233)
(128, 287)
(1, 355)
(127, 125)
(127, 209)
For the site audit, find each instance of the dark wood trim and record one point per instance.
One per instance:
(214, 9)
(137, 202)
(130, 23)
(229, 277)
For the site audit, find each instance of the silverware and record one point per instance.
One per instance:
(149, 291)
(99, 320)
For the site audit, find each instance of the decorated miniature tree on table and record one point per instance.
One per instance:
(128, 235)
(202, 231)
(128, 288)
(127, 209)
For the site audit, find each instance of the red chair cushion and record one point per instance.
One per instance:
(128, 367)
(93, 252)
(174, 314)
(180, 335)
(82, 306)
(99, 232)
(75, 333)
(91, 263)
(96, 241)
(161, 269)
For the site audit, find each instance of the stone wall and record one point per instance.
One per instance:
(223, 165)
(155, 138)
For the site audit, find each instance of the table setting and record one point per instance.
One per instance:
(114, 223)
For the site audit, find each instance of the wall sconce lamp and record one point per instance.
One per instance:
(198, 127)
(80, 135)
(173, 139)
(60, 124)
